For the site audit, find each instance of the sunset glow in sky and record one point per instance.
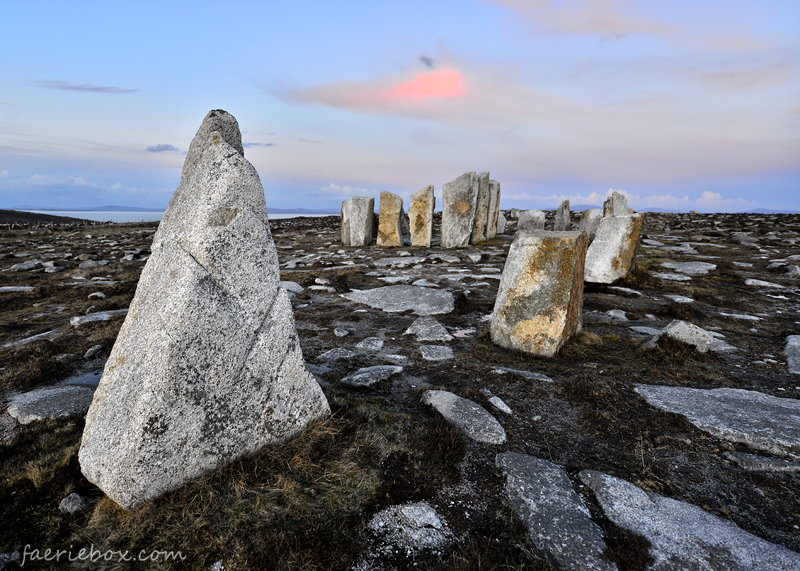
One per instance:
(680, 104)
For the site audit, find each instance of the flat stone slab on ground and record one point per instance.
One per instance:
(761, 283)
(558, 521)
(756, 463)
(397, 298)
(690, 268)
(436, 352)
(411, 527)
(79, 320)
(761, 421)
(336, 353)
(368, 376)
(673, 277)
(684, 536)
(428, 329)
(370, 344)
(531, 376)
(53, 402)
(469, 417)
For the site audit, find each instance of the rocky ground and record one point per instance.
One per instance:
(579, 411)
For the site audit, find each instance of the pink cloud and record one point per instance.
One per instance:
(440, 84)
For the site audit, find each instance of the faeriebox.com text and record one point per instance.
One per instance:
(95, 555)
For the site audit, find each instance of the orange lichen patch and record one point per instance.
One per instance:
(626, 258)
(389, 213)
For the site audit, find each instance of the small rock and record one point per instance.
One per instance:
(334, 354)
(322, 281)
(54, 402)
(368, 376)
(497, 402)
(99, 316)
(761, 283)
(531, 376)
(469, 417)
(426, 328)
(436, 353)
(73, 504)
(673, 277)
(92, 351)
(474, 258)
(293, 287)
(371, 344)
(617, 314)
(680, 298)
(339, 332)
(411, 527)
(685, 332)
(97, 295)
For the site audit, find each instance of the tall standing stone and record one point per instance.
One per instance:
(390, 220)
(501, 223)
(481, 210)
(530, 220)
(494, 209)
(561, 223)
(616, 205)
(357, 221)
(612, 253)
(459, 198)
(539, 301)
(207, 366)
(420, 215)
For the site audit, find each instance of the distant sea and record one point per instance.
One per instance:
(144, 216)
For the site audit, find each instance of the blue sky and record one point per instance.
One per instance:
(680, 104)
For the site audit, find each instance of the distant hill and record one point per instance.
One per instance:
(768, 211)
(300, 211)
(106, 208)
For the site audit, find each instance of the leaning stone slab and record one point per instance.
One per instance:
(397, 298)
(494, 209)
(207, 366)
(792, 352)
(420, 216)
(469, 417)
(558, 521)
(685, 332)
(55, 402)
(530, 220)
(79, 320)
(390, 216)
(612, 254)
(561, 222)
(479, 228)
(368, 376)
(357, 220)
(501, 223)
(761, 421)
(459, 199)
(540, 298)
(590, 220)
(428, 329)
(684, 536)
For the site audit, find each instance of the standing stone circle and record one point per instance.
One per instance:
(207, 366)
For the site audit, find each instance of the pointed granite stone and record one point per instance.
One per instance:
(561, 223)
(207, 366)
(420, 214)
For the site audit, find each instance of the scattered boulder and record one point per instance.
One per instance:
(540, 298)
(612, 253)
(52, 402)
(469, 417)
(684, 332)
(390, 216)
(420, 214)
(428, 329)
(357, 221)
(368, 376)
(207, 366)
(558, 521)
(763, 422)
(530, 220)
(459, 199)
(684, 536)
(561, 222)
(397, 298)
(480, 227)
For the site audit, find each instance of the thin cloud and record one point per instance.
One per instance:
(86, 87)
(161, 148)
(428, 61)
(310, 141)
(248, 145)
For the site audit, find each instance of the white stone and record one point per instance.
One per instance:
(530, 220)
(612, 253)
(685, 332)
(428, 329)
(561, 222)
(397, 298)
(436, 352)
(469, 417)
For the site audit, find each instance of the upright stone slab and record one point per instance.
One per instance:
(561, 223)
(530, 220)
(390, 220)
(362, 217)
(590, 220)
(616, 205)
(612, 254)
(501, 223)
(539, 301)
(459, 198)
(420, 214)
(494, 209)
(345, 217)
(207, 366)
(481, 210)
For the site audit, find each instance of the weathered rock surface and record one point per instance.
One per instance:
(615, 205)
(73, 504)
(494, 209)
(207, 366)
(761, 421)
(420, 214)
(558, 521)
(540, 298)
(436, 352)
(756, 463)
(792, 352)
(79, 320)
(357, 221)
(590, 220)
(684, 536)
(396, 298)
(390, 216)
(411, 527)
(690, 268)
(52, 402)
(368, 376)
(612, 253)
(530, 220)
(501, 223)
(459, 200)
(685, 332)
(469, 417)
(428, 329)
(561, 222)
(480, 227)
